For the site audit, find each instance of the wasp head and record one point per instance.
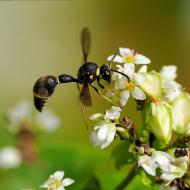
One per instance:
(105, 73)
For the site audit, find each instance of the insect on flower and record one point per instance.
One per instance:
(88, 73)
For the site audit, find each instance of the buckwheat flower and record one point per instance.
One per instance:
(169, 72)
(159, 120)
(57, 182)
(10, 157)
(104, 131)
(129, 56)
(20, 112)
(103, 134)
(130, 87)
(181, 114)
(171, 88)
(162, 159)
(113, 113)
(177, 170)
(148, 164)
(48, 120)
(163, 187)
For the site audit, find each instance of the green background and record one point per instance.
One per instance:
(43, 37)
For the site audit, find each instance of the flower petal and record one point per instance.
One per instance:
(143, 69)
(124, 97)
(60, 188)
(129, 69)
(162, 159)
(96, 116)
(67, 182)
(124, 52)
(58, 175)
(148, 164)
(113, 113)
(141, 59)
(138, 94)
(117, 59)
(121, 83)
(169, 72)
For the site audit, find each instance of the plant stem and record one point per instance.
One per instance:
(127, 179)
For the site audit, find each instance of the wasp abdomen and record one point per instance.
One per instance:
(43, 88)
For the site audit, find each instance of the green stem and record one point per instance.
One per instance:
(127, 179)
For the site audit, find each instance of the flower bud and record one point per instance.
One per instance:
(150, 83)
(159, 121)
(181, 114)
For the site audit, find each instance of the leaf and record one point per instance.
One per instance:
(122, 155)
(92, 184)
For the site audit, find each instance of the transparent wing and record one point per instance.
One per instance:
(85, 43)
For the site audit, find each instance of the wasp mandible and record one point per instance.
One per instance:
(88, 73)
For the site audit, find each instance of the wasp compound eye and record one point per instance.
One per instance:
(43, 88)
(106, 73)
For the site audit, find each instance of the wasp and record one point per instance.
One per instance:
(88, 73)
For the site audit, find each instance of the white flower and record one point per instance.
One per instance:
(103, 135)
(148, 164)
(48, 120)
(113, 113)
(56, 181)
(131, 86)
(163, 187)
(177, 170)
(129, 56)
(181, 114)
(10, 157)
(171, 88)
(104, 131)
(169, 72)
(162, 159)
(20, 112)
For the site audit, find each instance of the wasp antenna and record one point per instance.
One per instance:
(110, 63)
(121, 74)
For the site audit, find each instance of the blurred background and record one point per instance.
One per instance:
(43, 37)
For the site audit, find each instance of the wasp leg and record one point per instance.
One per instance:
(45, 86)
(102, 95)
(82, 108)
(100, 85)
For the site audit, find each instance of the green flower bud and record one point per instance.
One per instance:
(181, 114)
(160, 121)
(150, 83)
(123, 132)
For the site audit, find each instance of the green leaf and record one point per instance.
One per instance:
(92, 184)
(122, 155)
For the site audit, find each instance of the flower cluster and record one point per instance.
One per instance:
(21, 114)
(56, 181)
(165, 110)
(23, 125)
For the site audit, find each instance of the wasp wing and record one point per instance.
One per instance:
(85, 97)
(85, 43)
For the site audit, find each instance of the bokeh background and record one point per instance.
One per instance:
(43, 37)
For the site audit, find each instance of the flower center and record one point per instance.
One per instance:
(130, 85)
(130, 59)
(55, 183)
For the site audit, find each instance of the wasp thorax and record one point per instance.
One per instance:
(45, 86)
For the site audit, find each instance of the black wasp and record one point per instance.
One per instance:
(88, 73)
